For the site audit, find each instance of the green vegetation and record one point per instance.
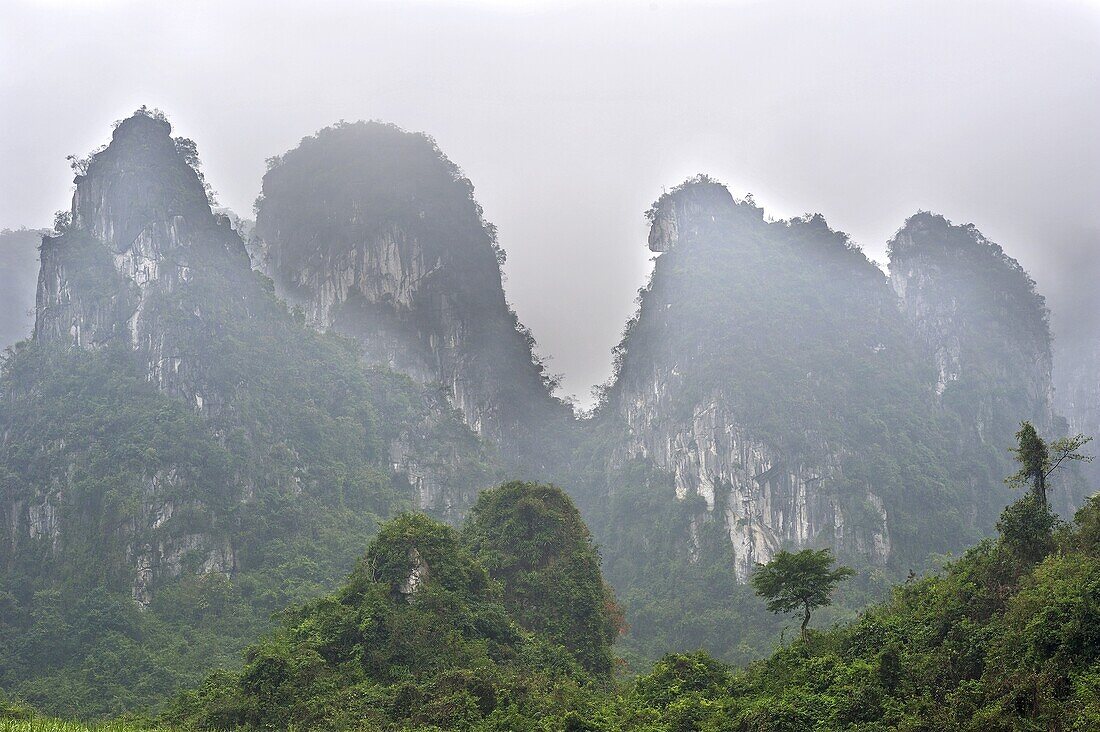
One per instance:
(424, 636)
(40, 724)
(997, 642)
(532, 540)
(1038, 460)
(801, 580)
(673, 597)
(69, 621)
(206, 455)
(785, 330)
(420, 638)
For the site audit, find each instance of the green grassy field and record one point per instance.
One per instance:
(56, 725)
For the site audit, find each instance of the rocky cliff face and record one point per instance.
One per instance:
(216, 407)
(1078, 390)
(373, 232)
(978, 313)
(140, 229)
(1077, 380)
(764, 499)
(750, 374)
(977, 310)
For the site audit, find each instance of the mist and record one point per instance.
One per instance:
(570, 119)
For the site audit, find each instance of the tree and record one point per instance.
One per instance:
(533, 541)
(1026, 528)
(802, 579)
(1038, 459)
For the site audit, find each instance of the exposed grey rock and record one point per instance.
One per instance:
(372, 232)
(676, 414)
(977, 310)
(418, 575)
(142, 230)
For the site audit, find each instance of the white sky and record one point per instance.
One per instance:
(569, 118)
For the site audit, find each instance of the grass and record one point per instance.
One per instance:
(40, 724)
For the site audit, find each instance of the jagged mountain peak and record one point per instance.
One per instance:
(702, 207)
(143, 175)
(979, 314)
(140, 224)
(690, 207)
(930, 252)
(926, 232)
(352, 183)
(372, 231)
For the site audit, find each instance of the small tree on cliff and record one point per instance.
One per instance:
(803, 580)
(1038, 459)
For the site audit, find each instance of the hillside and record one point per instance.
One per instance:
(427, 632)
(997, 641)
(1007, 637)
(181, 457)
(374, 233)
(771, 393)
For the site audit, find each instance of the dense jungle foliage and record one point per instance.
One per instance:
(788, 327)
(221, 437)
(67, 615)
(436, 628)
(1007, 637)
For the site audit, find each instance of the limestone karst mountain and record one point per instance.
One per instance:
(771, 375)
(190, 444)
(987, 328)
(979, 312)
(375, 234)
(775, 390)
(171, 421)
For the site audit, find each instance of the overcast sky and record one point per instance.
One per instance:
(570, 118)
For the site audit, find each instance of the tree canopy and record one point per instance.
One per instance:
(802, 579)
(531, 538)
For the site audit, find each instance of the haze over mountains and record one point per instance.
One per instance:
(209, 430)
(572, 117)
(628, 366)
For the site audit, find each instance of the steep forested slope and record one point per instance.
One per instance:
(432, 631)
(174, 440)
(422, 637)
(987, 329)
(1006, 638)
(376, 234)
(770, 393)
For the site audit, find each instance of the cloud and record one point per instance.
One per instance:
(571, 118)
